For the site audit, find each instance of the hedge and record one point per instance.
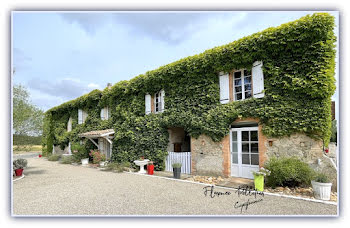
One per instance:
(298, 65)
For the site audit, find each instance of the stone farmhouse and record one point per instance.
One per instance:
(223, 112)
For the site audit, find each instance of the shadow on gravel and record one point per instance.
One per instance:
(34, 172)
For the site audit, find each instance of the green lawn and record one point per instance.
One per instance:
(20, 149)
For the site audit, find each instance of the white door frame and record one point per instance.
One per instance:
(239, 164)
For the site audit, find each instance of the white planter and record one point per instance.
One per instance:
(85, 161)
(322, 191)
(102, 163)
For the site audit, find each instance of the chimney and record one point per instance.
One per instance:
(109, 85)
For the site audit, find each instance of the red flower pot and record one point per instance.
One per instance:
(40, 155)
(19, 172)
(150, 169)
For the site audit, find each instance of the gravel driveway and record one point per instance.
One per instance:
(50, 188)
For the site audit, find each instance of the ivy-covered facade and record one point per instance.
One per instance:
(207, 96)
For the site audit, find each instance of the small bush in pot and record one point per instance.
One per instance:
(259, 178)
(18, 166)
(321, 186)
(79, 152)
(97, 156)
(177, 170)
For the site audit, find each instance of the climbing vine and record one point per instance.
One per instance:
(298, 65)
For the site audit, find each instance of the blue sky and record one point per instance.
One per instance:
(59, 56)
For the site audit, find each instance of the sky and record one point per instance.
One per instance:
(59, 56)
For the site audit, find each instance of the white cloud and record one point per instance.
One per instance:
(66, 88)
(93, 86)
(171, 28)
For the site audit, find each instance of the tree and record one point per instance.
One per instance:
(334, 131)
(27, 118)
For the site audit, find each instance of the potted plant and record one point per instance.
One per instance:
(321, 187)
(19, 165)
(150, 167)
(259, 178)
(177, 170)
(98, 157)
(80, 153)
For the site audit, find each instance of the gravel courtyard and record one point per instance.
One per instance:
(50, 188)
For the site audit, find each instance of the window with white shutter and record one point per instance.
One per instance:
(148, 104)
(80, 116)
(242, 84)
(258, 79)
(159, 101)
(85, 115)
(224, 83)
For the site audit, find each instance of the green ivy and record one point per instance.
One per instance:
(298, 64)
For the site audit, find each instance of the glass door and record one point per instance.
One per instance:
(244, 151)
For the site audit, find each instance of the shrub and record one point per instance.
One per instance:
(97, 156)
(113, 166)
(289, 172)
(67, 160)
(19, 163)
(54, 157)
(118, 167)
(321, 178)
(334, 131)
(79, 152)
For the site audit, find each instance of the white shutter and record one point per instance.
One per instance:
(107, 113)
(162, 94)
(102, 114)
(69, 124)
(80, 116)
(148, 104)
(258, 79)
(224, 88)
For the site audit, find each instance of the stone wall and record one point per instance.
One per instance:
(211, 158)
(207, 156)
(308, 150)
(299, 145)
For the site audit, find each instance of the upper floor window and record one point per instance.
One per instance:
(159, 101)
(81, 116)
(105, 113)
(242, 84)
(155, 103)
